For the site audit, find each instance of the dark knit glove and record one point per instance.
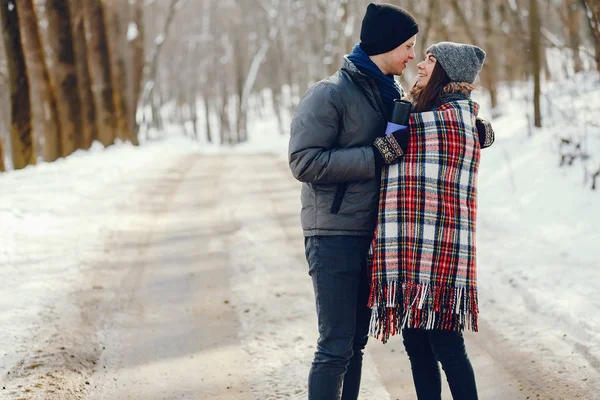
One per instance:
(389, 148)
(485, 132)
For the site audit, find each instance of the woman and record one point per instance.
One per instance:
(423, 268)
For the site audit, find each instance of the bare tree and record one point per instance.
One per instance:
(119, 69)
(465, 23)
(572, 22)
(136, 35)
(514, 68)
(40, 80)
(23, 152)
(592, 12)
(64, 74)
(2, 166)
(89, 130)
(429, 19)
(207, 45)
(151, 67)
(100, 71)
(491, 66)
(536, 59)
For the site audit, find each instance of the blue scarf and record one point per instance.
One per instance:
(387, 85)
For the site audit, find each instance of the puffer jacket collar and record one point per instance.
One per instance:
(366, 83)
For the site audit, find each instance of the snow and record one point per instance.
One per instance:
(132, 31)
(538, 228)
(159, 39)
(53, 219)
(538, 236)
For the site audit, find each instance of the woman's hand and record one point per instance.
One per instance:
(485, 132)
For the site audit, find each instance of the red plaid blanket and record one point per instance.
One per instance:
(423, 252)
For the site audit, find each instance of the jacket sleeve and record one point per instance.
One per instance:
(313, 157)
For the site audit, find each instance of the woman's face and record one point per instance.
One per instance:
(425, 68)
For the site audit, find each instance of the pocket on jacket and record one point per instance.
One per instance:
(338, 198)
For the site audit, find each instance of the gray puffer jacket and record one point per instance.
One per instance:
(330, 151)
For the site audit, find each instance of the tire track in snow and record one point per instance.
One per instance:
(271, 283)
(64, 353)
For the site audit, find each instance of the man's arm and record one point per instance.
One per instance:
(312, 156)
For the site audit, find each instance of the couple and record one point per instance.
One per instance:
(415, 189)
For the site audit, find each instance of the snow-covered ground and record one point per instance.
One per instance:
(538, 235)
(54, 220)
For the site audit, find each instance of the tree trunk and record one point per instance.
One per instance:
(251, 76)
(64, 75)
(194, 117)
(192, 89)
(515, 68)
(155, 111)
(207, 115)
(119, 73)
(2, 167)
(224, 126)
(89, 131)
(347, 41)
(592, 12)
(137, 63)
(466, 24)
(491, 67)
(439, 13)
(240, 126)
(278, 109)
(574, 24)
(536, 59)
(432, 7)
(151, 68)
(40, 81)
(100, 71)
(23, 153)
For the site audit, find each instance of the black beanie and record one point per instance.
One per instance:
(385, 27)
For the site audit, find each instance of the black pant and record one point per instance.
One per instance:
(337, 265)
(425, 349)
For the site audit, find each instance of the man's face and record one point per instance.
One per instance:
(400, 56)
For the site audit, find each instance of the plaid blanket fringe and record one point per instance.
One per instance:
(421, 306)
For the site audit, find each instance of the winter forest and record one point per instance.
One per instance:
(150, 237)
(74, 72)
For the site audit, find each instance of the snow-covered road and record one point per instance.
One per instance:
(178, 275)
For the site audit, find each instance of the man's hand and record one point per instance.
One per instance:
(388, 149)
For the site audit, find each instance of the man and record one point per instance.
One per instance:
(337, 148)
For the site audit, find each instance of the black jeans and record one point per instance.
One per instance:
(425, 349)
(337, 265)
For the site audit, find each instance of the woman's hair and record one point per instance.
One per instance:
(431, 95)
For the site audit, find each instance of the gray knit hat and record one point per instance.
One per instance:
(462, 62)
